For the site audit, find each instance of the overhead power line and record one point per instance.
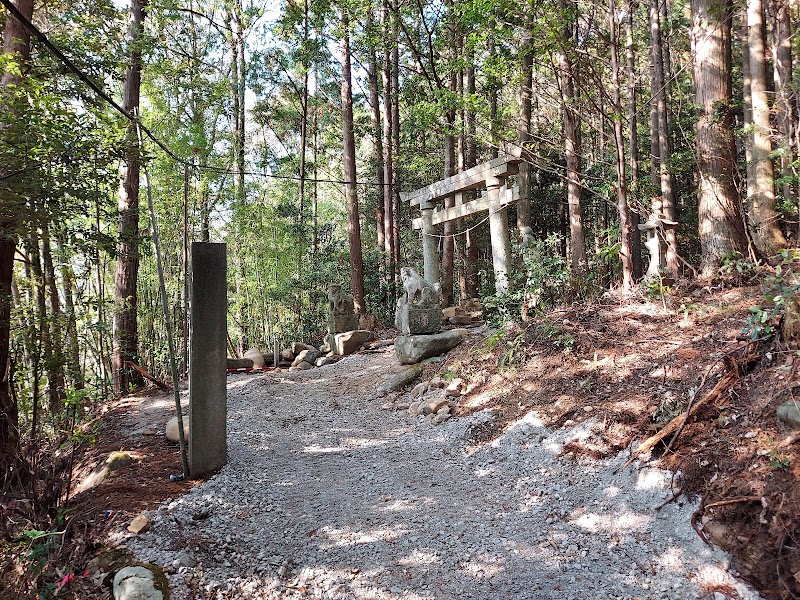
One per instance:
(114, 104)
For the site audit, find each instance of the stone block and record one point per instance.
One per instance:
(342, 323)
(411, 349)
(208, 444)
(398, 381)
(434, 405)
(172, 428)
(257, 358)
(452, 311)
(413, 321)
(140, 524)
(298, 347)
(453, 390)
(460, 320)
(789, 413)
(350, 341)
(239, 363)
(308, 356)
(141, 582)
(419, 390)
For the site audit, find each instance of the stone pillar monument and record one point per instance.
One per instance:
(498, 229)
(654, 227)
(430, 245)
(208, 408)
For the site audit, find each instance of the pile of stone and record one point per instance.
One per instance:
(470, 311)
(433, 399)
(303, 356)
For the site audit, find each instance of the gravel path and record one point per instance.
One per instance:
(326, 495)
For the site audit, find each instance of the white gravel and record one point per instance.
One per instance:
(326, 495)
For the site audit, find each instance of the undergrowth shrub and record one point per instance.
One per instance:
(541, 281)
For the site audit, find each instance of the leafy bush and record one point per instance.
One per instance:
(780, 287)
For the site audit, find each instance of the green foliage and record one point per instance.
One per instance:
(548, 329)
(782, 285)
(737, 267)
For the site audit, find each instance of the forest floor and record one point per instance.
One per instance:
(332, 493)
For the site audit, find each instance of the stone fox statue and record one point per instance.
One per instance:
(419, 292)
(418, 310)
(339, 302)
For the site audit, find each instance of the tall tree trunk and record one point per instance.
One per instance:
(388, 149)
(619, 140)
(580, 267)
(766, 232)
(54, 358)
(126, 337)
(633, 143)
(377, 135)
(784, 93)
(665, 176)
(450, 166)
(470, 159)
(16, 40)
(492, 86)
(349, 147)
(524, 125)
(396, 142)
(74, 370)
(747, 108)
(719, 214)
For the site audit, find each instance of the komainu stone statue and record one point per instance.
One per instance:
(341, 317)
(419, 309)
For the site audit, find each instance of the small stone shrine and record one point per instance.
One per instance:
(341, 315)
(419, 309)
(654, 227)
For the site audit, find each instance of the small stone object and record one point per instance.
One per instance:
(115, 460)
(172, 428)
(434, 405)
(460, 320)
(301, 366)
(324, 361)
(140, 524)
(257, 358)
(350, 341)
(308, 356)
(437, 383)
(411, 349)
(184, 560)
(415, 408)
(789, 414)
(398, 381)
(454, 389)
(298, 347)
(451, 311)
(239, 363)
(473, 308)
(287, 354)
(419, 390)
(139, 583)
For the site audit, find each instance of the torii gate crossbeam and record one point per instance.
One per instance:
(490, 175)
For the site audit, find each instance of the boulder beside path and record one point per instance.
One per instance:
(411, 349)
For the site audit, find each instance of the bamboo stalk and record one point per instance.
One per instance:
(165, 306)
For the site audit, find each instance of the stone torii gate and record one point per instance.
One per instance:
(490, 176)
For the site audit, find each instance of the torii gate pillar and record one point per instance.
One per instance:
(430, 245)
(498, 229)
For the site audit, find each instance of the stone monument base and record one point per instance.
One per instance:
(412, 320)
